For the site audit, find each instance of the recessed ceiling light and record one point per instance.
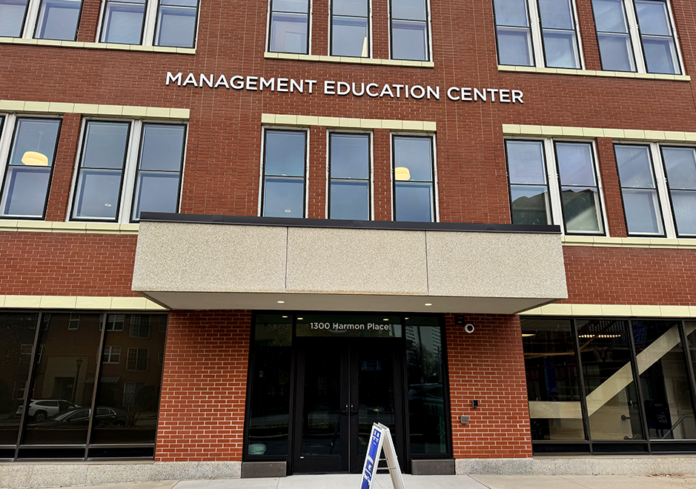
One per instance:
(281, 302)
(285, 317)
(386, 319)
(528, 335)
(300, 319)
(428, 304)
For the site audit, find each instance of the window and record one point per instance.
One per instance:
(137, 359)
(12, 14)
(349, 169)
(289, 26)
(28, 170)
(414, 189)
(638, 190)
(101, 171)
(680, 169)
(139, 326)
(285, 153)
(112, 354)
(58, 20)
(643, 27)
(163, 324)
(573, 200)
(109, 168)
(409, 30)
(551, 41)
(636, 384)
(350, 28)
(613, 35)
(114, 322)
(123, 21)
(131, 390)
(658, 187)
(169, 23)
(580, 202)
(529, 191)
(74, 323)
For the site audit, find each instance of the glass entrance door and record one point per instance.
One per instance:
(344, 386)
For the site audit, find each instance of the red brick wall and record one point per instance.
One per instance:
(66, 264)
(488, 365)
(630, 276)
(204, 386)
(222, 166)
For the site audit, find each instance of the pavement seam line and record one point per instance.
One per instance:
(480, 482)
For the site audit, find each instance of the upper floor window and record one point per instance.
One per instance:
(169, 23)
(29, 166)
(573, 200)
(542, 34)
(113, 167)
(350, 28)
(636, 36)
(289, 26)
(12, 14)
(349, 172)
(414, 187)
(285, 155)
(659, 199)
(41, 19)
(409, 30)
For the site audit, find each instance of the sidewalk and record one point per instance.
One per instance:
(352, 481)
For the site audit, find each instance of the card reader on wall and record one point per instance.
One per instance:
(474, 404)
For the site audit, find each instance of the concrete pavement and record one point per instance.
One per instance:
(352, 481)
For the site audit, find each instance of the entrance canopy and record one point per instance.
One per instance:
(217, 262)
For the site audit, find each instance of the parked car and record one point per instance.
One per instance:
(40, 409)
(79, 416)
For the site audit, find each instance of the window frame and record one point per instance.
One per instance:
(23, 26)
(101, 24)
(371, 179)
(269, 17)
(639, 59)
(433, 148)
(137, 358)
(149, 25)
(262, 184)
(8, 134)
(136, 165)
(110, 355)
(537, 37)
(598, 181)
(552, 208)
(37, 15)
(665, 176)
(156, 24)
(428, 31)
(368, 18)
(576, 30)
(667, 225)
(130, 169)
(81, 152)
(553, 181)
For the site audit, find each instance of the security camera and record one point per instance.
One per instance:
(469, 328)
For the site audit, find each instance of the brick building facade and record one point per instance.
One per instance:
(208, 117)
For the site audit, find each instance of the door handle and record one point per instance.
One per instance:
(345, 411)
(353, 410)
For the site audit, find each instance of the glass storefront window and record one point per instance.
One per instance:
(612, 401)
(426, 389)
(17, 332)
(61, 394)
(664, 383)
(553, 385)
(269, 415)
(129, 380)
